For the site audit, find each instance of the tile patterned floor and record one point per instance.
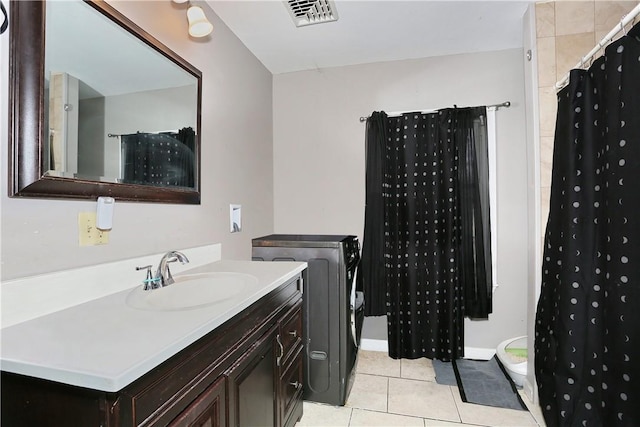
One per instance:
(390, 392)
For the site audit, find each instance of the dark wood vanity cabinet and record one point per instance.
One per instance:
(247, 372)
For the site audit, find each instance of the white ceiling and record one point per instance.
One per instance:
(372, 31)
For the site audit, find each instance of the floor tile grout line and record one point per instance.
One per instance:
(380, 375)
(401, 378)
(455, 402)
(425, 419)
(350, 417)
(387, 409)
(399, 414)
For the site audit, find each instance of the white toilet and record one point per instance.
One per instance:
(512, 353)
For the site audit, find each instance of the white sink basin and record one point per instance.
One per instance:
(193, 291)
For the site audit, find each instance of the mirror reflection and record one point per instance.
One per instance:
(115, 110)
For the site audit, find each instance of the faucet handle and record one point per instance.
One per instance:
(148, 267)
(149, 282)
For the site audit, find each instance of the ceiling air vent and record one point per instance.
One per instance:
(308, 12)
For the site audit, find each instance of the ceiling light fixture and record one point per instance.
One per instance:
(199, 25)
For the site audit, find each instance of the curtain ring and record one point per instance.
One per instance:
(622, 28)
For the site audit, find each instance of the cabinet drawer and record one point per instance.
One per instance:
(291, 332)
(291, 385)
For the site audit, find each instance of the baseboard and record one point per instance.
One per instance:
(469, 352)
(530, 391)
(478, 353)
(374, 345)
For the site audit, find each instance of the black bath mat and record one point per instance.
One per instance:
(485, 382)
(445, 374)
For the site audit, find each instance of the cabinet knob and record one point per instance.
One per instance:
(293, 333)
(296, 384)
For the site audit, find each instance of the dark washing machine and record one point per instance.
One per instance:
(333, 308)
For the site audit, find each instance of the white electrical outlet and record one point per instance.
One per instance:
(88, 233)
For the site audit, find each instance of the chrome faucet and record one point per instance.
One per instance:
(163, 274)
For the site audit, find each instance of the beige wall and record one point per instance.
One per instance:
(41, 235)
(566, 31)
(319, 154)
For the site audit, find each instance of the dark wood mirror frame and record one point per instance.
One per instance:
(26, 115)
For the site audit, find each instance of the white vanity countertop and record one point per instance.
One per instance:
(105, 344)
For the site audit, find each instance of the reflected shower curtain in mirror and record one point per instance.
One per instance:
(436, 238)
(587, 342)
(163, 159)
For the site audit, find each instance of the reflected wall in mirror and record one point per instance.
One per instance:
(101, 108)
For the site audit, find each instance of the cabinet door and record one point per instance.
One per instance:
(252, 386)
(207, 410)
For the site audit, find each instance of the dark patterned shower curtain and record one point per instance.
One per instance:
(372, 263)
(163, 159)
(587, 343)
(436, 262)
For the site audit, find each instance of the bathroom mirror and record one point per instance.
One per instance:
(98, 107)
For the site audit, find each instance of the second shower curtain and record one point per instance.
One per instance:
(426, 249)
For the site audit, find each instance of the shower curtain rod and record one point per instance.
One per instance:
(626, 19)
(506, 104)
(116, 135)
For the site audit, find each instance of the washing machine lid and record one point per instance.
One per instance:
(302, 240)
